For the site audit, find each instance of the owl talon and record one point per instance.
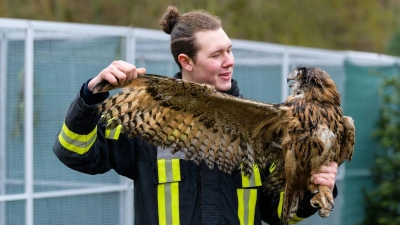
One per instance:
(323, 213)
(314, 205)
(323, 200)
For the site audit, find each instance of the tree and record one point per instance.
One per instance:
(393, 47)
(382, 204)
(341, 24)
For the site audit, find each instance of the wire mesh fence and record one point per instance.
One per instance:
(43, 65)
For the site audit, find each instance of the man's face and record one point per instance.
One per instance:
(214, 60)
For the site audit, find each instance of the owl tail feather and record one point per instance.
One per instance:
(290, 205)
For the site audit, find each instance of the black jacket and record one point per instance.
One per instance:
(205, 196)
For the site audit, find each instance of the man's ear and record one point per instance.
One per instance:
(186, 62)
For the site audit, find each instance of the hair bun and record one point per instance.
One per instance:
(169, 19)
(172, 23)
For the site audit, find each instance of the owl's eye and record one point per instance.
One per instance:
(298, 92)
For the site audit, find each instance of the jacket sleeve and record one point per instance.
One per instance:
(271, 204)
(83, 144)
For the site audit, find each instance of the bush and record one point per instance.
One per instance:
(382, 204)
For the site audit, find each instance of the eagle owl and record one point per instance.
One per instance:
(298, 136)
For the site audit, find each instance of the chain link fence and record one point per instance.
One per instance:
(43, 65)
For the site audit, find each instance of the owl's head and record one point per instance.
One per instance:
(313, 84)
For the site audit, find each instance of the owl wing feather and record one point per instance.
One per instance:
(348, 140)
(198, 120)
(231, 132)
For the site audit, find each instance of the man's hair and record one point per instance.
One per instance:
(183, 28)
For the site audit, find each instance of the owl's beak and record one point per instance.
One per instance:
(289, 79)
(292, 76)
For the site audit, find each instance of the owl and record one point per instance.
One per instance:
(297, 137)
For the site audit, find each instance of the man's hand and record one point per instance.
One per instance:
(326, 175)
(117, 73)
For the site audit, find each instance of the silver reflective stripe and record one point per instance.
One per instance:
(77, 143)
(112, 133)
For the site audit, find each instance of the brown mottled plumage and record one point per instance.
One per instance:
(297, 136)
(320, 135)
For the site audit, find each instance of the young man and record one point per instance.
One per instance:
(168, 189)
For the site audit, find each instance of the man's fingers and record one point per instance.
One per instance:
(141, 70)
(122, 72)
(117, 73)
(113, 75)
(330, 168)
(324, 181)
(132, 74)
(326, 175)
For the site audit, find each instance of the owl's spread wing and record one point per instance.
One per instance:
(197, 119)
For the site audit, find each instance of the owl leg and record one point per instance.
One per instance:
(324, 201)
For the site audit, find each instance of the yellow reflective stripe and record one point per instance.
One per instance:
(280, 205)
(161, 204)
(79, 143)
(272, 167)
(241, 206)
(254, 180)
(162, 177)
(247, 199)
(168, 191)
(114, 133)
(176, 170)
(175, 203)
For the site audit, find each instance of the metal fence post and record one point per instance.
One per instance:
(28, 131)
(128, 195)
(3, 115)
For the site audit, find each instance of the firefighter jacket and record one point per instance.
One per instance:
(167, 188)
